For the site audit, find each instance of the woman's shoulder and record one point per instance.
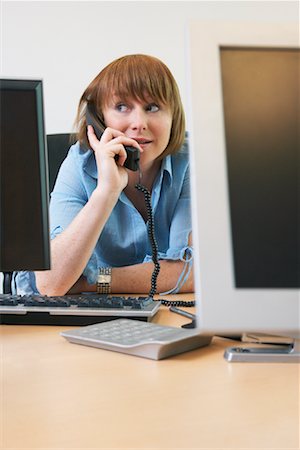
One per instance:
(183, 152)
(81, 158)
(181, 157)
(78, 152)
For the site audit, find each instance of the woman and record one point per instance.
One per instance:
(98, 218)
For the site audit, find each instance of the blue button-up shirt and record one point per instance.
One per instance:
(124, 239)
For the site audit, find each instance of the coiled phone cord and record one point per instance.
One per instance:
(152, 238)
(153, 242)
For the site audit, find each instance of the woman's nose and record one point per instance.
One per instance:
(138, 119)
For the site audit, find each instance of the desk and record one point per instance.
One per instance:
(58, 395)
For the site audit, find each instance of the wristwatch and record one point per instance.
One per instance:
(104, 280)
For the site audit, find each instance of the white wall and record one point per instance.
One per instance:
(68, 43)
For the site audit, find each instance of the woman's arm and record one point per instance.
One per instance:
(136, 279)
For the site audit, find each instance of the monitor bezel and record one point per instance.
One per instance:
(221, 308)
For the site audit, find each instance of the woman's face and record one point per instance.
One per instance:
(144, 121)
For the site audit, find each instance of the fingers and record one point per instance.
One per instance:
(112, 143)
(117, 137)
(92, 137)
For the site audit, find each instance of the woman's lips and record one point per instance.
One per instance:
(143, 143)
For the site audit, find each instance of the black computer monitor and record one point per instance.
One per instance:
(24, 195)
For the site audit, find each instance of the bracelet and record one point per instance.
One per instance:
(104, 280)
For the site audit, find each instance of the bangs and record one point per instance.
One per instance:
(139, 78)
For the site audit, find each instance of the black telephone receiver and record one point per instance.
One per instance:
(133, 153)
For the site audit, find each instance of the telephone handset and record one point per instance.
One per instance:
(133, 153)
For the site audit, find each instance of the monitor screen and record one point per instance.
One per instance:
(24, 177)
(244, 121)
(261, 120)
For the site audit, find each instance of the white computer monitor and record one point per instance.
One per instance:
(244, 122)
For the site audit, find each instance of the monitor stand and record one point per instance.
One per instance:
(278, 349)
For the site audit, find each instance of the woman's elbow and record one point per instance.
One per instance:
(46, 285)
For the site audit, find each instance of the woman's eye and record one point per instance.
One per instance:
(122, 107)
(152, 107)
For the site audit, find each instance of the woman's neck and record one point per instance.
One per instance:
(147, 177)
(147, 180)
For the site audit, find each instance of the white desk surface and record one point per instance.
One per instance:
(57, 395)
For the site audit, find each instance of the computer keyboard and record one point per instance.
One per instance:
(137, 338)
(81, 309)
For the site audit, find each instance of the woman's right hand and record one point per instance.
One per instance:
(111, 173)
